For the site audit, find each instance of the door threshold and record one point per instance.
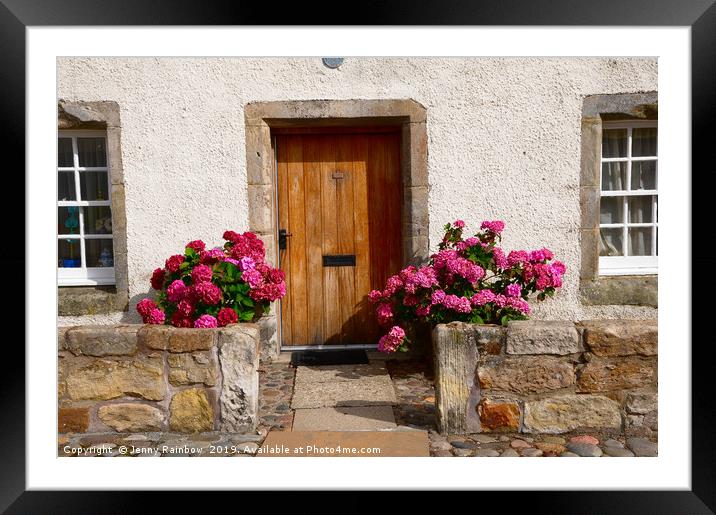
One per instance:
(293, 348)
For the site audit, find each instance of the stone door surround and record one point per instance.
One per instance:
(261, 117)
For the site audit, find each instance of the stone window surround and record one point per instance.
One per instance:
(261, 117)
(90, 300)
(640, 290)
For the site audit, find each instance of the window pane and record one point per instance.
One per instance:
(640, 210)
(64, 152)
(643, 175)
(93, 186)
(614, 143)
(640, 241)
(66, 186)
(614, 176)
(610, 242)
(611, 210)
(97, 220)
(99, 253)
(68, 220)
(68, 253)
(91, 152)
(643, 142)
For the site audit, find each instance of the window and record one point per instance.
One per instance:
(84, 215)
(628, 227)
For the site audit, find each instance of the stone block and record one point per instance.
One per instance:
(641, 403)
(191, 412)
(563, 413)
(358, 418)
(72, 420)
(97, 340)
(455, 358)
(198, 367)
(499, 415)
(131, 417)
(526, 374)
(612, 374)
(110, 379)
(542, 337)
(239, 362)
(366, 391)
(174, 339)
(621, 337)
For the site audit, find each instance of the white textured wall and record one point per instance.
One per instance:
(504, 143)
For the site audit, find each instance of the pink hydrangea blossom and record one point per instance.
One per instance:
(201, 273)
(422, 311)
(393, 340)
(437, 297)
(498, 256)
(144, 307)
(209, 257)
(179, 320)
(208, 293)
(246, 263)
(176, 291)
(276, 275)
(385, 313)
(459, 224)
(268, 292)
(233, 261)
(253, 277)
(513, 290)
(155, 316)
(185, 307)
(410, 300)
(471, 241)
(205, 322)
(393, 284)
(541, 255)
(174, 262)
(158, 278)
(518, 304)
(559, 267)
(197, 245)
(375, 296)
(459, 304)
(517, 257)
(500, 300)
(496, 226)
(227, 316)
(482, 297)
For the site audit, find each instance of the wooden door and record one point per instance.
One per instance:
(340, 198)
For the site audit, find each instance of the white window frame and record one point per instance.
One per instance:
(630, 265)
(83, 276)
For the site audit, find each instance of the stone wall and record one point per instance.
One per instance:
(140, 378)
(547, 377)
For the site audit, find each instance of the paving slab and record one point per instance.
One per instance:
(366, 391)
(333, 373)
(359, 418)
(345, 444)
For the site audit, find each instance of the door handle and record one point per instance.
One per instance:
(283, 236)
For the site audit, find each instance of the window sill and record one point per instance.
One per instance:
(90, 300)
(631, 290)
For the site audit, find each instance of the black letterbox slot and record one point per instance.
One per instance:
(339, 260)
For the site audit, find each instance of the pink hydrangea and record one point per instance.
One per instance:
(227, 316)
(517, 257)
(459, 224)
(392, 341)
(209, 257)
(559, 267)
(422, 311)
(155, 316)
(253, 277)
(245, 245)
(268, 292)
(233, 261)
(471, 241)
(185, 307)
(385, 313)
(498, 256)
(197, 245)
(276, 275)
(541, 255)
(176, 291)
(208, 293)
(375, 296)
(246, 263)
(393, 284)
(145, 306)
(454, 264)
(513, 290)
(410, 300)
(482, 297)
(459, 304)
(500, 300)
(179, 320)
(518, 304)
(201, 273)
(437, 297)
(158, 278)
(496, 226)
(205, 322)
(174, 262)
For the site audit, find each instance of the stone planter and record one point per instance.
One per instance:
(546, 377)
(140, 378)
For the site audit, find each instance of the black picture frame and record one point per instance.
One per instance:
(699, 15)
